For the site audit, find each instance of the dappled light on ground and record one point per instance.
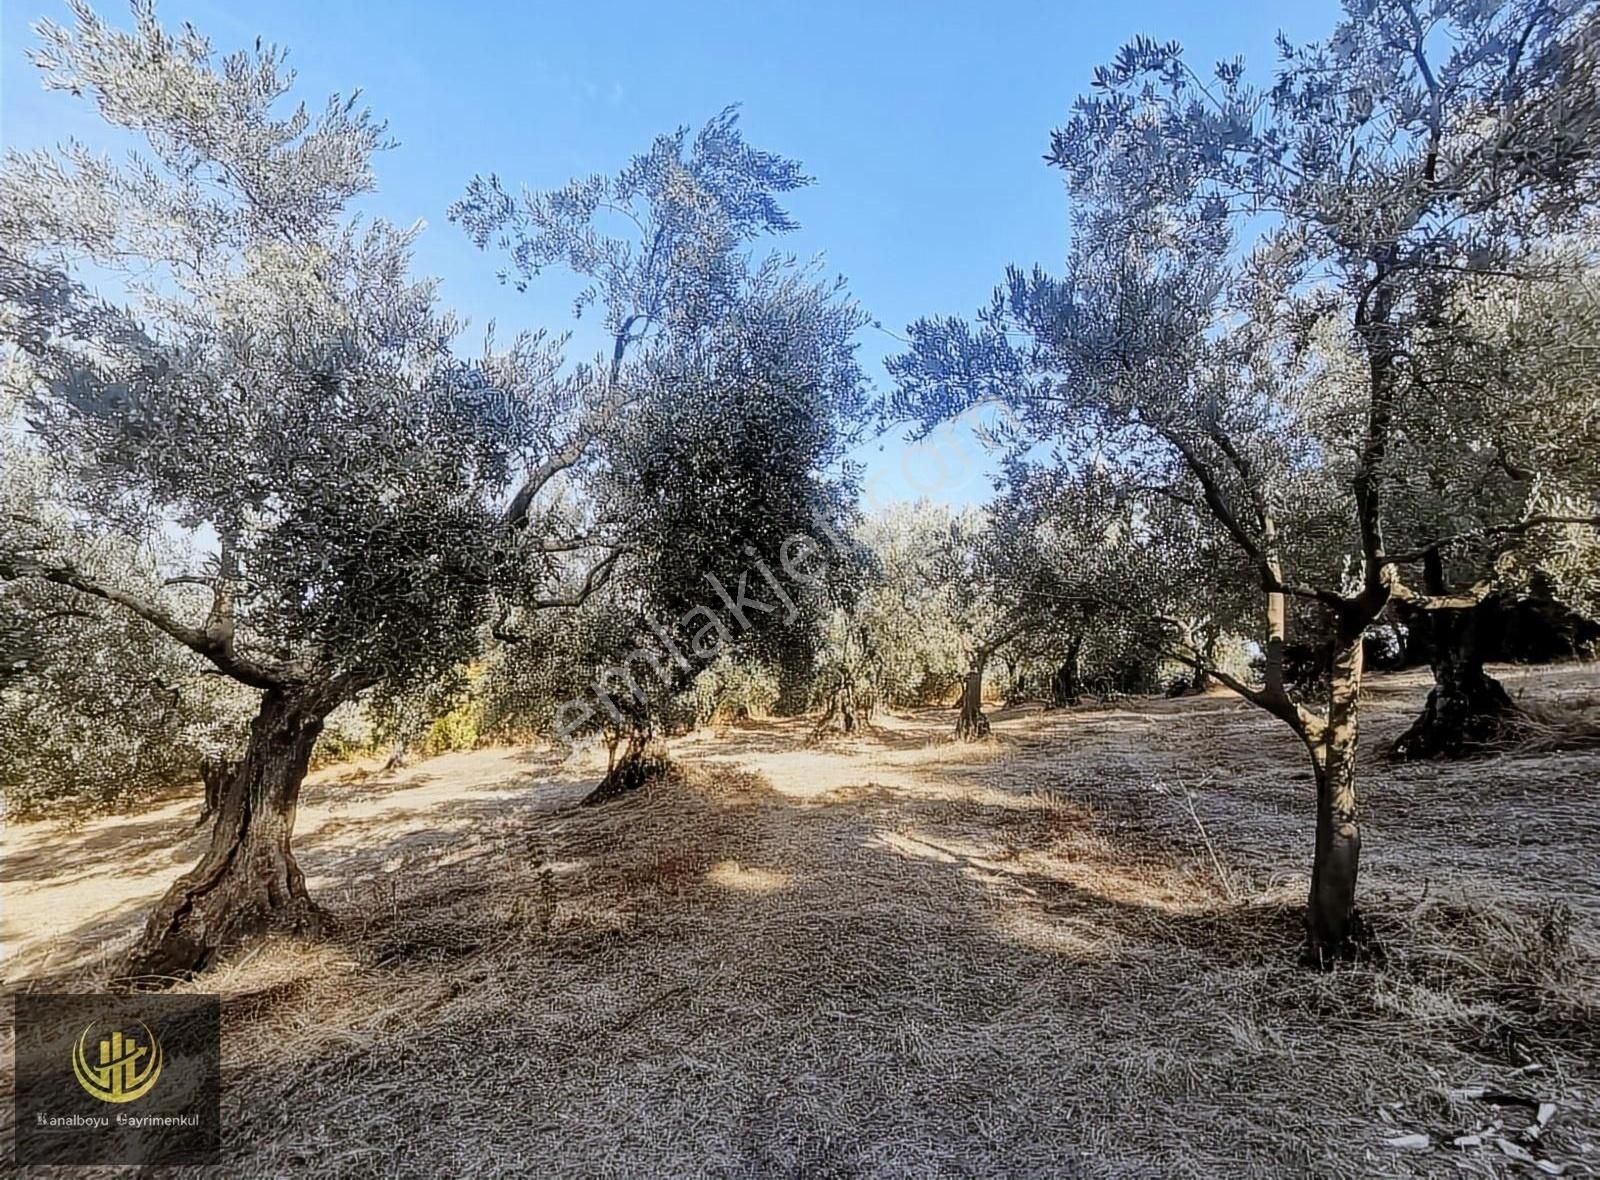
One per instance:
(75, 895)
(730, 874)
(1070, 946)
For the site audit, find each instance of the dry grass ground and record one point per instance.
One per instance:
(1065, 951)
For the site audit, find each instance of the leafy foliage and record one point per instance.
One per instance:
(1226, 240)
(274, 381)
(737, 389)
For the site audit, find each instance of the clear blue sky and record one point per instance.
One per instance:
(923, 123)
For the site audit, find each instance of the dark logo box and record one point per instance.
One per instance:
(118, 1079)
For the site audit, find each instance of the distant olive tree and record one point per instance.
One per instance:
(1120, 572)
(1017, 579)
(908, 628)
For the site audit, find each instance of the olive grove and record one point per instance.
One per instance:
(1219, 229)
(1320, 363)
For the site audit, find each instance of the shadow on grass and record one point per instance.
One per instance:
(721, 977)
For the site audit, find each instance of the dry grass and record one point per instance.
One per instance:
(1068, 950)
(1564, 723)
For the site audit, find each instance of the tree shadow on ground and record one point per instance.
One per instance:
(816, 998)
(76, 855)
(341, 854)
(1013, 974)
(854, 983)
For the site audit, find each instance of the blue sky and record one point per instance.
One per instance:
(924, 125)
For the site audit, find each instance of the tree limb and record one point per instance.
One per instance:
(1306, 724)
(1459, 600)
(214, 644)
(583, 436)
(1525, 525)
(596, 577)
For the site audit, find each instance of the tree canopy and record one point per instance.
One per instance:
(1320, 355)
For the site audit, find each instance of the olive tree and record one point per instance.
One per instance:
(738, 390)
(217, 348)
(1500, 425)
(1421, 145)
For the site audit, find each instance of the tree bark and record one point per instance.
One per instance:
(1065, 686)
(247, 881)
(215, 770)
(637, 768)
(847, 707)
(971, 724)
(841, 713)
(1334, 928)
(1201, 681)
(1467, 708)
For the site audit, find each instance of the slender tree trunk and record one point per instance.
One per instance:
(1208, 660)
(1065, 687)
(1277, 637)
(971, 724)
(247, 881)
(1467, 708)
(847, 708)
(1334, 928)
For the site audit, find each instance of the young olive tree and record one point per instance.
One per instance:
(217, 348)
(721, 474)
(990, 616)
(1420, 146)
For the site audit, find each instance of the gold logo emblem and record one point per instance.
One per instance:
(125, 1069)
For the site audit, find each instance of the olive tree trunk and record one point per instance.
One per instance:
(843, 715)
(215, 770)
(1201, 681)
(1334, 928)
(971, 724)
(1066, 686)
(637, 766)
(247, 881)
(1467, 708)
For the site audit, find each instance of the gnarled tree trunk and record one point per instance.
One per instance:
(247, 881)
(637, 767)
(1467, 708)
(842, 714)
